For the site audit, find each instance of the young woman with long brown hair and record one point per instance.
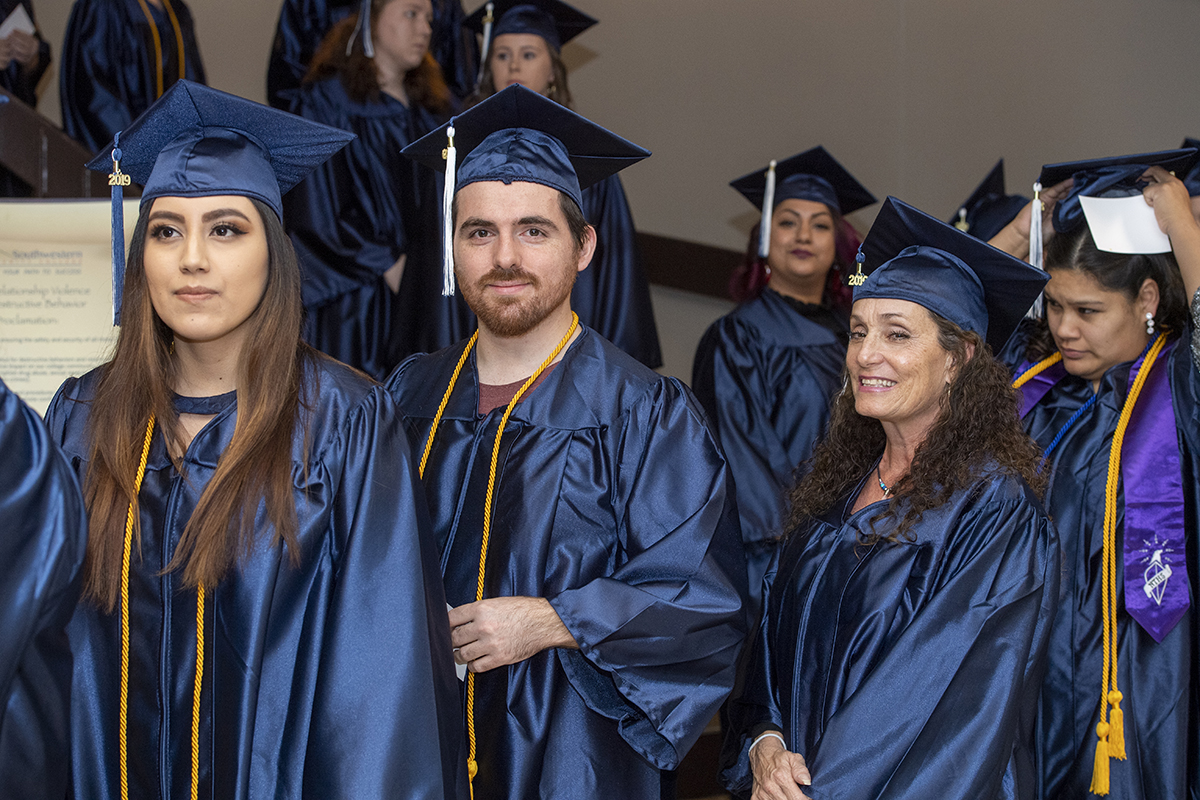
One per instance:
(365, 224)
(262, 610)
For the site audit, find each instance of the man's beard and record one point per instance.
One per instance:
(509, 317)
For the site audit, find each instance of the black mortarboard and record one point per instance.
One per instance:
(195, 142)
(812, 175)
(1192, 179)
(909, 255)
(519, 135)
(1119, 176)
(989, 208)
(554, 21)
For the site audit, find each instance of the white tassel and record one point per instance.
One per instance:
(1035, 244)
(764, 229)
(487, 41)
(451, 155)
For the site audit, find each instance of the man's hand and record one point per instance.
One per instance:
(504, 630)
(778, 772)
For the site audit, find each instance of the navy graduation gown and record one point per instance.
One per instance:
(328, 679)
(613, 502)
(22, 82)
(43, 534)
(612, 296)
(906, 670)
(766, 374)
(108, 72)
(1160, 681)
(352, 218)
(303, 24)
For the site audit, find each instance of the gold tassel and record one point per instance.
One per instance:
(1116, 722)
(1100, 770)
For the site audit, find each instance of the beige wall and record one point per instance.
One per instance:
(917, 97)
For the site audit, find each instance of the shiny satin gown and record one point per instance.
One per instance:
(331, 678)
(108, 75)
(766, 374)
(906, 670)
(43, 533)
(612, 501)
(1160, 681)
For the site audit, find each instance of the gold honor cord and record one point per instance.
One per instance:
(1036, 369)
(1110, 733)
(124, 704)
(472, 765)
(158, 52)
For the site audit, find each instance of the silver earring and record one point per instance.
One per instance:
(1149, 324)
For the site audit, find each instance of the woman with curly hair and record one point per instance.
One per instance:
(904, 628)
(365, 224)
(1110, 387)
(262, 613)
(522, 43)
(767, 372)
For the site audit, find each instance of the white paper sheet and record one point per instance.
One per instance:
(18, 20)
(1124, 225)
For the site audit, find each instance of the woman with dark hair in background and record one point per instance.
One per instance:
(522, 43)
(904, 629)
(767, 372)
(1110, 386)
(262, 610)
(366, 223)
(118, 57)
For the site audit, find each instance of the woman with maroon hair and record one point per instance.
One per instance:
(765, 373)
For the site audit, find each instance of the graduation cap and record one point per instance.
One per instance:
(909, 255)
(519, 135)
(812, 175)
(554, 21)
(1119, 176)
(1192, 179)
(198, 142)
(989, 208)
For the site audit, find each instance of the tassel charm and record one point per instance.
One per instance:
(451, 156)
(764, 228)
(1100, 769)
(858, 279)
(962, 223)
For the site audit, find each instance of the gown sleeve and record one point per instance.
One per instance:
(44, 533)
(683, 570)
(729, 381)
(612, 296)
(386, 715)
(954, 698)
(93, 91)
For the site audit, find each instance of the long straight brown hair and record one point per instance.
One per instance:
(256, 466)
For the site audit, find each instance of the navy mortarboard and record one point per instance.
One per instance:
(812, 175)
(1107, 193)
(519, 135)
(1192, 179)
(989, 208)
(909, 255)
(554, 21)
(196, 141)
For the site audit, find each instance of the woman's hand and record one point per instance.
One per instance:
(1014, 237)
(1167, 195)
(20, 47)
(778, 773)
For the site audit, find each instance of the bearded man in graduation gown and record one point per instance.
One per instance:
(43, 534)
(589, 535)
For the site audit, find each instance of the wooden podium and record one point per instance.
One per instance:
(40, 154)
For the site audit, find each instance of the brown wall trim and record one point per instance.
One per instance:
(690, 266)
